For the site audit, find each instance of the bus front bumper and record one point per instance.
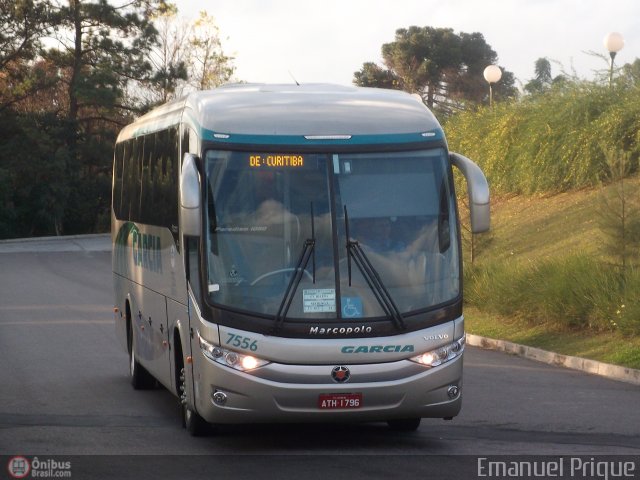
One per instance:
(307, 393)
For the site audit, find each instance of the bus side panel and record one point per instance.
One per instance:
(120, 282)
(150, 321)
(178, 319)
(120, 316)
(148, 272)
(203, 389)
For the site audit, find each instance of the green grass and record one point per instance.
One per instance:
(552, 142)
(540, 278)
(556, 271)
(536, 227)
(608, 347)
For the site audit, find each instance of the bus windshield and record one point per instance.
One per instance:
(270, 215)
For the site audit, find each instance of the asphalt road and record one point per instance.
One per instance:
(64, 390)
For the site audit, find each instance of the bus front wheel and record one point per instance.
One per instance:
(194, 423)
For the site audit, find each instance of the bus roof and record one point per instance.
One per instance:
(246, 112)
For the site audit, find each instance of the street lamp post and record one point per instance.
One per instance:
(492, 74)
(613, 42)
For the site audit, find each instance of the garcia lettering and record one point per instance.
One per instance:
(377, 349)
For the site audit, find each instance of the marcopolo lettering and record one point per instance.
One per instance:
(339, 330)
(377, 349)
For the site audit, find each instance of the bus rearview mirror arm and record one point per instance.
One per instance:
(190, 204)
(478, 189)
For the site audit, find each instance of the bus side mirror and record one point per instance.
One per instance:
(190, 204)
(478, 192)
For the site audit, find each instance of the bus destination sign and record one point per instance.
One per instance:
(276, 161)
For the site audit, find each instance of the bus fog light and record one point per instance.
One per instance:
(453, 391)
(220, 398)
(440, 355)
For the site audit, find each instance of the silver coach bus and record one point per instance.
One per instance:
(292, 253)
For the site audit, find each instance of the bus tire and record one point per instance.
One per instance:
(194, 423)
(140, 378)
(404, 424)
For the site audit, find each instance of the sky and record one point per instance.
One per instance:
(327, 41)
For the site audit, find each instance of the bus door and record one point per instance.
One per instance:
(152, 336)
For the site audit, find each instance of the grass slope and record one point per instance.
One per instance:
(530, 229)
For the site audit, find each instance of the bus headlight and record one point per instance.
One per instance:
(440, 355)
(229, 358)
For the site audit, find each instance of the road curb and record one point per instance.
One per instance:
(99, 242)
(54, 238)
(614, 372)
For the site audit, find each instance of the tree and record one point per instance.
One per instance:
(619, 214)
(33, 185)
(371, 75)
(208, 62)
(105, 48)
(32, 157)
(468, 84)
(168, 58)
(61, 109)
(102, 50)
(630, 73)
(189, 56)
(443, 67)
(22, 25)
(20, 34)
(543, 80)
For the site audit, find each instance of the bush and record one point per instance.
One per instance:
(576, 292)
(550, 142)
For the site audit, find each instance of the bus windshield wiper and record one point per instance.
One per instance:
(308, 252)
(372, 277)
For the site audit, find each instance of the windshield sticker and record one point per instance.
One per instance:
(214, 288)
(233, 273)
(319, 300)
(253, 228)
(351, 307)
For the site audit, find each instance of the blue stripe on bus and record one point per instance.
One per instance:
(300, 140)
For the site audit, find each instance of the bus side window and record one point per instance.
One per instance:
(193, 142)
(193, 272)
(133, 181)
(184, 143)
(117, 180)
(444, 229)
(127, 180)
(173, 151)
(147, 195)
(164, 178)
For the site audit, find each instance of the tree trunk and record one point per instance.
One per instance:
(75, 72)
